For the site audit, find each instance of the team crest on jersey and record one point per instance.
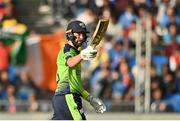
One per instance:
(82, 25)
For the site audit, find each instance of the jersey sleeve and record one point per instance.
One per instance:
(68, 54)
(85, 94)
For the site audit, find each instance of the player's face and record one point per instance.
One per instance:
(79, 38)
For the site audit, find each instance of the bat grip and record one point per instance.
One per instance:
(93, 46)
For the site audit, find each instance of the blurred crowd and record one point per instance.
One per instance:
(111, 75)
(15, 82)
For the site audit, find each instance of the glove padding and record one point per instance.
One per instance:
(97, 104)
(89, 53)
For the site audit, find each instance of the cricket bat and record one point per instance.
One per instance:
(99, 32)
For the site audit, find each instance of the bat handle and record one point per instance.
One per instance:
(93, 46)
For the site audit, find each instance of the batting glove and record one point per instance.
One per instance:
(97, 104)
(88, 54)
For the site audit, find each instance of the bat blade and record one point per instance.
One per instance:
(99, 32)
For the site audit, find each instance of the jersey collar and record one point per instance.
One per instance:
(68, 45)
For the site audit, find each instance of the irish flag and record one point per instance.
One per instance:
(42, 51)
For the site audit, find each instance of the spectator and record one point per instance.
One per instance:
(174, 60)
(122, 82)
(26, 87)
(96, 80)
(117, 53)
(4, 83)
(33, 107)
(128, 16)
(139, 70)
(4, 56)
(11, 99)
(158, 104)
(171, 34)
(171, 47)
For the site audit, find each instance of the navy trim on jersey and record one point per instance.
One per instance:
(68, 47)
(68, 57)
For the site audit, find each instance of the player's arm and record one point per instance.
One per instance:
(86, 54)
(73, 61)
(85, 94)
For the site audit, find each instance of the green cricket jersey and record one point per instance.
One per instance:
(69, 79)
